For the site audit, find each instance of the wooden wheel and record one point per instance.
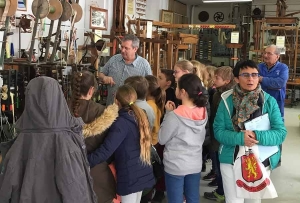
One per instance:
(56, 10)
(43, 6)
(77, 8)
(67, 11)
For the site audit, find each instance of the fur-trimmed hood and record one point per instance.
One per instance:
(101, 123)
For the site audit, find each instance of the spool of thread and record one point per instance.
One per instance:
(12, 50)
(4, 96)
(4, 88)
(7, 50)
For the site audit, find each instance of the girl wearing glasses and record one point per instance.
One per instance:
(244, 102)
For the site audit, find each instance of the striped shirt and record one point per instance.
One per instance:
(120, 71)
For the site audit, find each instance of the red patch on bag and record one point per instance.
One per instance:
(251, 171)
(258, 188)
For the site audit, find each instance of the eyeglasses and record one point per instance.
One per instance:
(247, 75)
(176, 71)
(268, 53)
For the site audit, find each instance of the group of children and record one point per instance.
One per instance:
(171, 113)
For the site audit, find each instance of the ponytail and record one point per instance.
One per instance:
(145, 136)
(126, 96)
(156, 92)
(160, 99)
(200, 100)
(193, 86)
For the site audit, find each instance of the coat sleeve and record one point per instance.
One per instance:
(73, 179)
(168, 128)
(223, 131)
(277, 82)
(278, 132)
(207, 125)
(116, 135)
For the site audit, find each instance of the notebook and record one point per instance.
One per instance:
(262, 123)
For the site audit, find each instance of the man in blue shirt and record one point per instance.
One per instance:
(274, 75)
(124, 65)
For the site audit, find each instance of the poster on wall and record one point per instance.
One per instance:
(141, 8)
(22, 5)
(280, 43)
(98, 18)
(130, 7)
(167, 16)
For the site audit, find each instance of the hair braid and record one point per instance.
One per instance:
(76, 93)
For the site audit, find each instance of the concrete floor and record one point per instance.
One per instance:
(286, 178)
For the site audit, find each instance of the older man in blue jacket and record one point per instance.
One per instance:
(274, 75)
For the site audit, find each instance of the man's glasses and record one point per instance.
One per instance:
(268, 53)
(247, 75)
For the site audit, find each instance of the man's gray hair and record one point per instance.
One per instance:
(277, 49)
(133, 38)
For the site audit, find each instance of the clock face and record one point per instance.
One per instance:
(203, 16)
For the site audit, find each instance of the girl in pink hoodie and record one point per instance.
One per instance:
(183, 133)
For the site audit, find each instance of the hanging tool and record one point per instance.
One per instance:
(40, 9)
(66, 15)
(56, 10)
(76, 16)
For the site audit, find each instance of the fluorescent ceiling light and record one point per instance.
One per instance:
(222, 1)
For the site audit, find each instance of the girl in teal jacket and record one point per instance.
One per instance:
(245, 102)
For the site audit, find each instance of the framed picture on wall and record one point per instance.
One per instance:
(22, 5)
(98, 18)
(167, 16)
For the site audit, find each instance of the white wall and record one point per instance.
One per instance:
(211, 9)
(154, 8)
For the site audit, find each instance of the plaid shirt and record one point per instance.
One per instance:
(120, 71)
